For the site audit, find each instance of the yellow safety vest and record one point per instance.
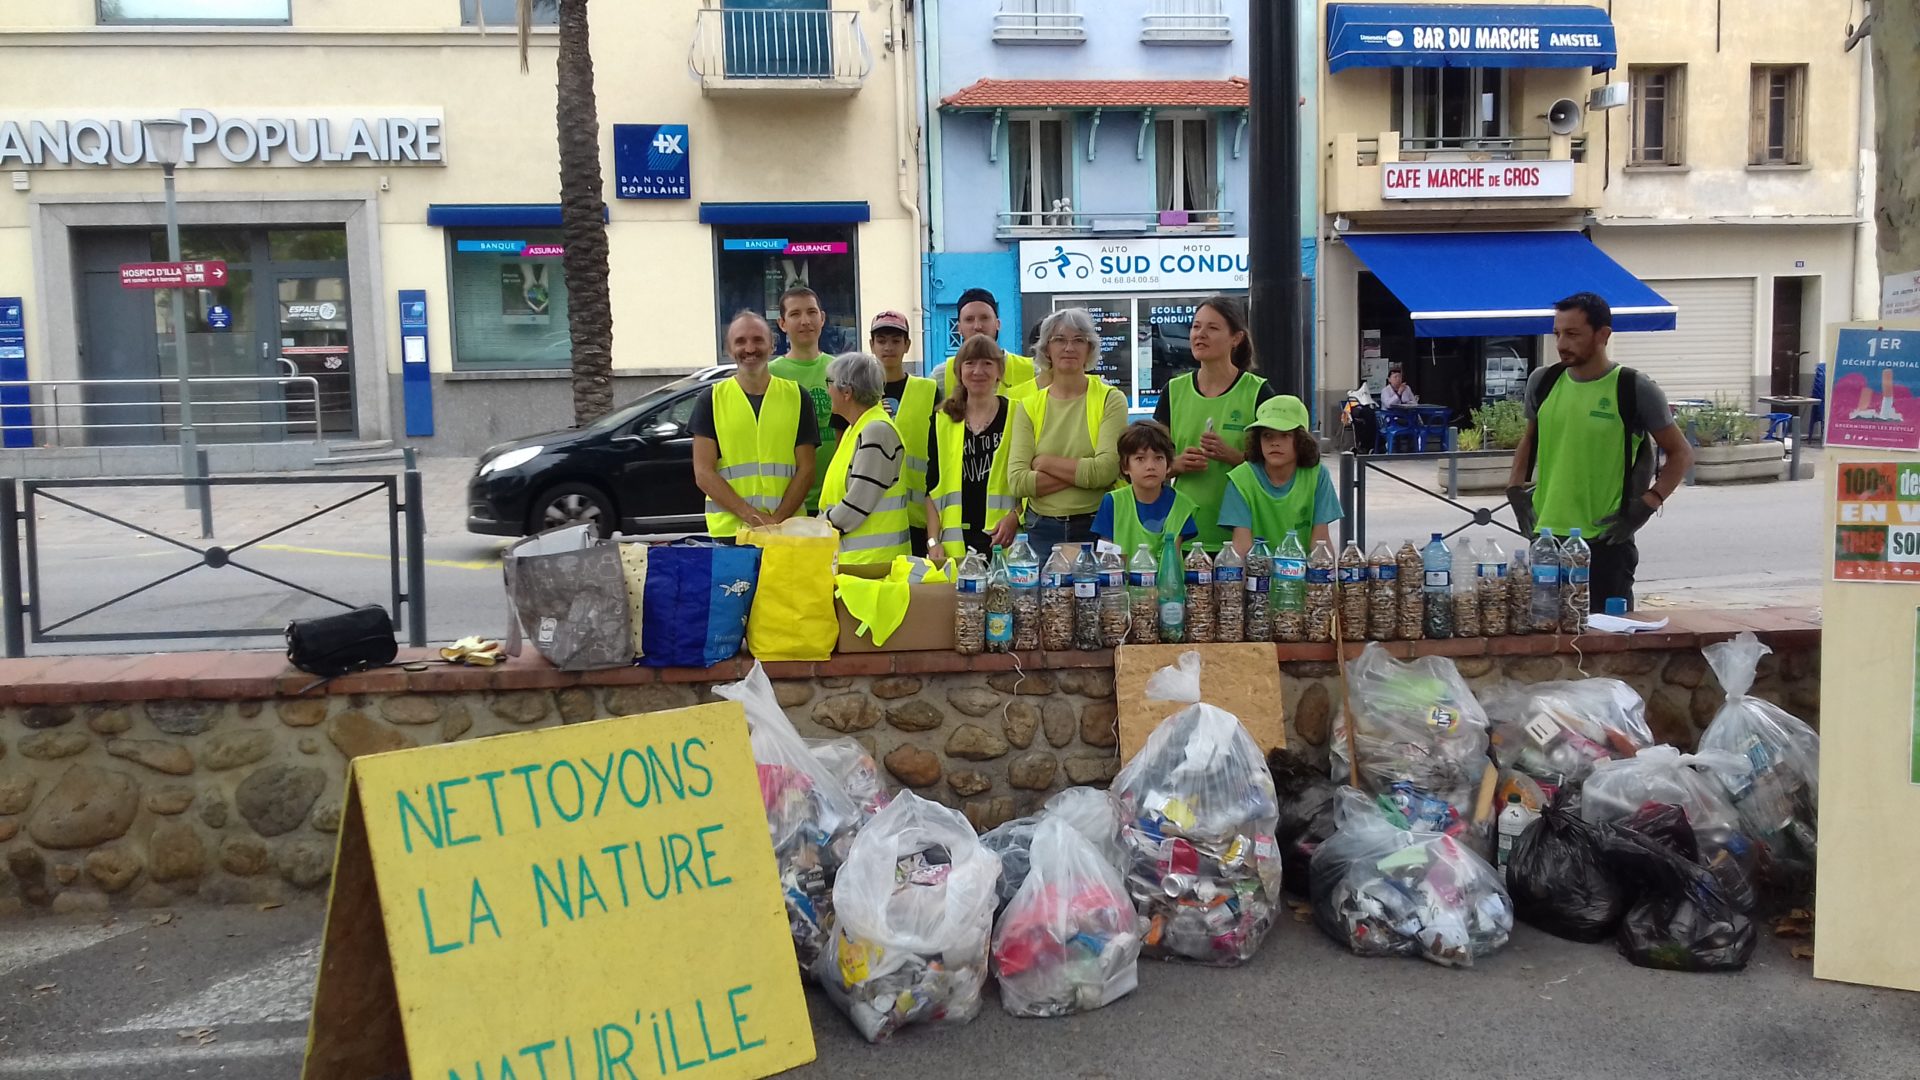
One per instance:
(950, 439)
(1018, 369)
(912, 419)
(884, 534)
(1097, 391)
(756, 452)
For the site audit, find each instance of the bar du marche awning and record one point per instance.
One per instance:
(1469, 36)
(1481, 284)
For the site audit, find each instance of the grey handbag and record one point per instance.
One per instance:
(568, 594)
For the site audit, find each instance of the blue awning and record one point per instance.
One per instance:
(1480, 284)
(1469, 36)
(784, 213)
(497, 215)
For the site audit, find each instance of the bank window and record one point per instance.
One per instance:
(504, 13)
(1185, 176)
(112, 12)
(1039, 160)
(1777, 134)
(1440, 109)
(508, 294)
(754, 264)
(1659, 111)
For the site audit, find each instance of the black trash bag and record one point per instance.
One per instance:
(1559, 879)
(1306, 815)
(1682, 919)
(1667, 824)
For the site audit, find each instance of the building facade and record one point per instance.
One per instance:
(381, 182)
(1089, 155)
(1479, 161)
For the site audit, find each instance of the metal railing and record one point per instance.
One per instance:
(738, 46)
(1186, 22)
(1039, 22)
(45, 400)
(1504, 148)
(1017, 223)
(1353, 489)
(25, 612)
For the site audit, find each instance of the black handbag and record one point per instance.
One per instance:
(334, 645)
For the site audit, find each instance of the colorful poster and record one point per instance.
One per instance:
(1877, 521)
(1876, 389)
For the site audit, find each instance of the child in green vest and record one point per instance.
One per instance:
(1142, 511)
(1281, 487)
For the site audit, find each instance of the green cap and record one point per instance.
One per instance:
(1282, 413)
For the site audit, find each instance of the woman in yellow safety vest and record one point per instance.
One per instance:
(967, 495)
(1065, 454)
(864, 491)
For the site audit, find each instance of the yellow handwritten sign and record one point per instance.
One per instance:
(594, 901)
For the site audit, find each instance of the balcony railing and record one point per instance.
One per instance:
(1014, 224)
(1506, 148)
(1039, 22)
(751, 50)
(1186, 22)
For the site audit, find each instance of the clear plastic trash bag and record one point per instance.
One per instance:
(1422, 737)
(1556, 732)
(854, 769)
(1070, 940)
(1776, 787)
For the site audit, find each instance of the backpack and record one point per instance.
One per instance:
(1640, 470)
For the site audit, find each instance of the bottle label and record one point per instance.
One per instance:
(1173, 614)
(1227, 575)
(1113, 579)
(1386, 573)
(1257, 583)
(1199, 577)
(1439, 579)
(1353, 575)
(1000, 626)
(1546, 575)
(1086, 590)
(1577, 575)
(1023, 577)
(1054, 581)
(1140, 579)
(971, 586)
(1290, 570)
(1317, 575)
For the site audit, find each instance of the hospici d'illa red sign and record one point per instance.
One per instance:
(1476, 179)
(172, 275)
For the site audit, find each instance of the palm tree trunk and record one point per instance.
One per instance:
(1897, 115)
(583, 221)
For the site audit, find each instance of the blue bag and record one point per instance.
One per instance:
(696, 603)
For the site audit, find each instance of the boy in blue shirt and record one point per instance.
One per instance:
(1141, 512)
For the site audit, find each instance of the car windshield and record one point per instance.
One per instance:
(653, 399)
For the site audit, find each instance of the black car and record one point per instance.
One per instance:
(629, 471)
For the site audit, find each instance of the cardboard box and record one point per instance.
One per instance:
(928, 625)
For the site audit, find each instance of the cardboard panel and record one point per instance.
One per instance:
(1243, 679)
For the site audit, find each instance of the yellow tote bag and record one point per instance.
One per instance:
(793, 616)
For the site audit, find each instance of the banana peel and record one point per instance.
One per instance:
(473, 652)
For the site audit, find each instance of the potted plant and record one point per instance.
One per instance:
(1495, 432)
(1729, 444)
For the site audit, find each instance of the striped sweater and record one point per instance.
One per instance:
(877, 456)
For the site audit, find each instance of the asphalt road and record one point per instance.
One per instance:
(1714, 546)
(223, 993)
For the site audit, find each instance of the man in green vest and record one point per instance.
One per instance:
(802, 321)
(980, 314)
(1589, 423)
(753, 438)
(909, 400)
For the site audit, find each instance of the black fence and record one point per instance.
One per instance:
(24, 612)
(1355, 470)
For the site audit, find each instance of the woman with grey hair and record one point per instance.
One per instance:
(1065, 438)
(863, 494)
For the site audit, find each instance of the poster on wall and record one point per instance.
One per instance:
(1876, 521)
(1876, 389)
(526, 293)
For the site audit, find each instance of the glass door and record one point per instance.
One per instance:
(315, 338)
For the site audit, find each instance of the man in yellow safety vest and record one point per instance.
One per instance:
(754, 438)
(910, 400)
(980, 314)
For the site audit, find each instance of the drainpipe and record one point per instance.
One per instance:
(1866, 258)
(906, 153)
(932, 149)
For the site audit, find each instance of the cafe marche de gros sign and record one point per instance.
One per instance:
(227, 137)
(591, 902)
(1476, 179)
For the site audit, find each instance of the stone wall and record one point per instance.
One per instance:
(236, 798)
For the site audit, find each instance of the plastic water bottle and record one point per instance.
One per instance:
(1320, 591)
(1383, 593)
(970, 606)
(1229, 594)
(1576, 564)
(1200, 607)
(1353, 593)
(1436, 561)
(1086, 599)
(1545, 561)
(999, 604)
(1023, 571)
(1259, 590)
(1466, 600)
(1514, 820)
(1520, 591)
(1056, 600)
(1113, 600)
(1290, 590)
(1143, 589)
(1173, 593)
(1490, 589)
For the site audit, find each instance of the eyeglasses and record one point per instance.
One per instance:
(1058, 340)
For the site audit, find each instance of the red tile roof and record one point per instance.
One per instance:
(1101, 93)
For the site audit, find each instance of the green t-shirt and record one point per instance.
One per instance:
(1187, 415)
(812, 377)
(1582, 454)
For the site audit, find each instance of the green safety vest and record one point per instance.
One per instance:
(757, 457)
(1274, 518)
(1582, 454)
(1129, 533)
(1017, 369)
(912, 421)
(884, 534)
(811, 375)
(1231, 412)
(950, 441)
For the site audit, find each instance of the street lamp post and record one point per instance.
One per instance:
(165, 140)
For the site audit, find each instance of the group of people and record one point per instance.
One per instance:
(995, 443)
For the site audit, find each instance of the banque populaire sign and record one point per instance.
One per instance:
(596, 900)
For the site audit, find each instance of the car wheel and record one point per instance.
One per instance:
(573, 504)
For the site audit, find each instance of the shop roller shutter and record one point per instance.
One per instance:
(1710, 353)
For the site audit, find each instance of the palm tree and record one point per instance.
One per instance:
(582, 208)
